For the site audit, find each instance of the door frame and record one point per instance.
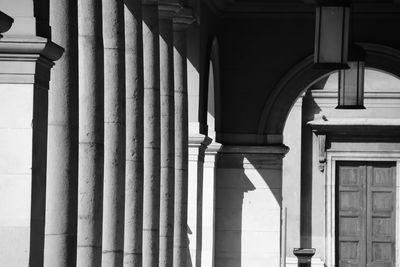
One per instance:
(330, 195)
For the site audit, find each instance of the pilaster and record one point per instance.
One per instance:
(197, 147)
(24, 82)
(248, 205)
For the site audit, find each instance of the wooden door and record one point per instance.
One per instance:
(365, 214)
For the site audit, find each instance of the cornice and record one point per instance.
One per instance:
(20, 46)
(27, 59)
(359, 127)
(183, 19)
(168, 10)
(278, 150)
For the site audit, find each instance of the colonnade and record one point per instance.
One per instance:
(118, 135)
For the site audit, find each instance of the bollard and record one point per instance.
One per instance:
(304, 256)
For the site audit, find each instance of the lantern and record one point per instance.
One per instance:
(331, 37)
(351, 81)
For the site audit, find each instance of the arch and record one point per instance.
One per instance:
(302, 76)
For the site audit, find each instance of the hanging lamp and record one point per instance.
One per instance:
(351, 81)
(331, 37)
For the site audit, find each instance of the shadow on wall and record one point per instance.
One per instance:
(248, 205)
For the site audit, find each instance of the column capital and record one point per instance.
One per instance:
(5, 22)
(150, 2)
(250, 157)
(183, 19)
(197, 146)
(277, 150)
(29, 51)
(168, 10)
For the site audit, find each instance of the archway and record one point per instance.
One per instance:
(302, 76)
(382, 97)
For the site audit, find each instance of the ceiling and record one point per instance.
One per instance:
(267, 6)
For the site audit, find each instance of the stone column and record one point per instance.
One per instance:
(134, 134)
(91, 133)
(181, 138)
(114, 132)
(62, 152)
(197, 146)
(151, 185)
(166, 12)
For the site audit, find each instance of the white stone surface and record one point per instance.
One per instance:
(248, 210)
(291, 182)
(16, 112)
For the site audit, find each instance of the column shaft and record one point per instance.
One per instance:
(167, 139)
(181, 148)
(151, 190)
(91, 133)
(134, 134)
(62, 153)
(114, 132)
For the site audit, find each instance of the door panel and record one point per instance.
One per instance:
(365, 214)
(380, 214)
(351, 202)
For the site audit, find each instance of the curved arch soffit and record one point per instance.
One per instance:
(214, 61)
(302, 76)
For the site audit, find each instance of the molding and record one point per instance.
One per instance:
(199, 139)
(168, 10)
(359, 127)
(328, 93)
(31, 45)
(197, 147)
(251, 157)
(348, 127)
(279, 151)
(27, 60)
(183, 19)
(5, 22)
(249, 138)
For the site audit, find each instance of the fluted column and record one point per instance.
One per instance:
(91, 133)
(151, 186)
(134, 134)
(114, 132)
(62, 152)
(167, 137)
(181, 139)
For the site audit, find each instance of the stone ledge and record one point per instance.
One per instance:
(267, 150)
(18, 46)
(348, 126)
(27, 59)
